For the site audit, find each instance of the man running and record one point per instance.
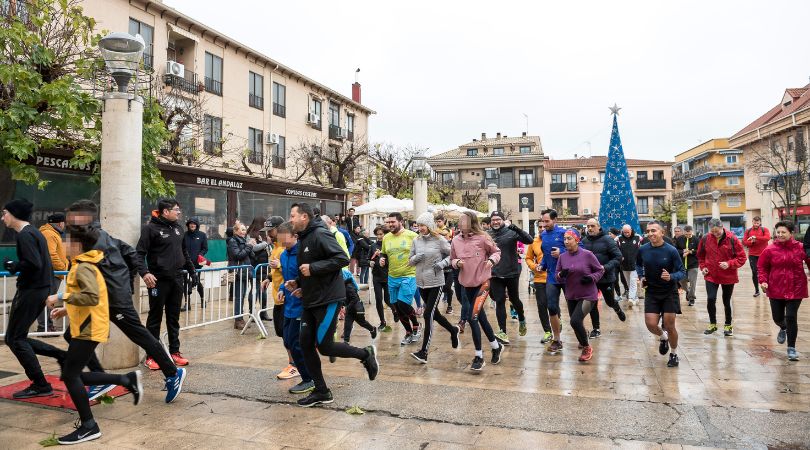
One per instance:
(756, 239)
(552, 242)
(719, 255)
(607, 252)
(687, 245)
(506, 274)
(629, 243)
(396, 250)
(660, 269)
(320, 260)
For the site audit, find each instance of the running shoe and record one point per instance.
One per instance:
(174, 385)
(756, 294)
(304, 387)
(449, 310)
(673, 360)
(135, 386)
(522, 330)
(316, 398)
(461, 324)
(595, 333)
(420, 310)
(34, 391)
(150, 364)
(416, 333)
(546, 337)
(370, 363)
(385, 328)
(728, 330)
(555, 347)
(620, 313)
(792, 354)
(420, 356)
(496, 354)
(691, 303)
(477, 364)
(712, 328)
(373, 334)
(502, 337)
(81, 434)
(408, 339)
(178, 359)
(587, 353)
(454, 336)
(513, 313)
(782, 336)
(96, 391)
(289, 372)
(663, 347)
(332, 359)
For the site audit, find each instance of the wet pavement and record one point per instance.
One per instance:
(729, 392)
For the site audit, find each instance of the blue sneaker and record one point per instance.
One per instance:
(96, 391)
(174, 385)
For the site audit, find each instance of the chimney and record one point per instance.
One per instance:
(483, 136)
(356, 87)
(524, 134)
(498, 135)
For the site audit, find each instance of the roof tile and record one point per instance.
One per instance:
(801, 100)
(597, 162)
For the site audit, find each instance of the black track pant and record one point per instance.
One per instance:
(447, 289)
(167, 294)
(578, 310)
(431, 296)
(381, 297)
(407, 316)
(542, 305)
(318, 335)
(610, 300)
(752, 261)
(471, 293)
(355, 312)
(711, 300)
(25, 307)
(498, 287)
(55, 283)
(785, 314)
(78, 355)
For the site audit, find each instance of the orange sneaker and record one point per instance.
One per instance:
(289, 372)
(179, 360)
(151, 364)
(587, 353)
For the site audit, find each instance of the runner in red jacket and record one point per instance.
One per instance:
(720, 254)
(756, 239)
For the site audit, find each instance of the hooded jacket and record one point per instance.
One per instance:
(712, 251)
(119, 267)
(550, 240)
(276, 276)
(319, 248)
(86, 300)
(163, 246)
(430, 255)
(607, 252)
(780, 265)
(534, 257)
(629, 248)
(474, 250)
(506, 238)
(239, 252)
(196, 242)
(53, 237)
(288, 268)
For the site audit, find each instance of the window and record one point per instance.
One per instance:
(255, 90)
(733, 201)
(256, 153)
(557, 205)
(491, 174)
(658, 202)
(732, 181)
(280, 153)
(148, 35)
(497, 151)
(334, 114)
(350, 127)
(530, 204)
(601, 176)
(731, 159)
(525, 149)
(658, 174)
(556, 178)
(212, 134)
(213, 74)
(472, 152)
(641, 175)
(447, 177)
(526, 178)
(573, 206)
(643, 205)
(507, 178)
(571, 181)
(317, 111)
(279, 100)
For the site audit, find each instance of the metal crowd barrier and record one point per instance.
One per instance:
(262, 299)
(8, 297)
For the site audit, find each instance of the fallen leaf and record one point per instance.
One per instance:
(355, 410)
(49, 442)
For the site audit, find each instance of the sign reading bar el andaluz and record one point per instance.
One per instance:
(219, 182)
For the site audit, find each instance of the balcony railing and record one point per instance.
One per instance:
(334, 132)
(188, 82)
(706, 192)
(279, 110)
(213, 86)
(279, 162)
(651, 184)
(256, 156)
(698, 171)
(254, 101)
(563, 187)
(212, 147)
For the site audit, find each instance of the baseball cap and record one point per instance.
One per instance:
(272, 222)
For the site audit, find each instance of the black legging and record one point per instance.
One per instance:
(471, 293)
(752, 261)
(578, 310)
(498, 287)
(542, 305)
(785, 314)
(407, 316)
(610, 300)
(381, 297)
(355, 312)
(78, 354)
(447, 289)
(431, 297)
(711, 300)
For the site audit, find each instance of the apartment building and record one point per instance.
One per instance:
(706, 168)
(780, 135)
(575, 186)
(514, 165)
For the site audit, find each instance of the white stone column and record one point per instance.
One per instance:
(716, 209)
(122, 126)
(524, 213)
(420, 195)
(674, 220)
(690, 214)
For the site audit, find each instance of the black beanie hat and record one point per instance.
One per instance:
(56, 218)
(20, 208)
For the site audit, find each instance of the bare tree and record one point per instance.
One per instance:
(472, 197)
(395, 167)
(328, 162)
(788, 167)
(184, 115)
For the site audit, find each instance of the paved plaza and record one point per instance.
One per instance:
(737, 392)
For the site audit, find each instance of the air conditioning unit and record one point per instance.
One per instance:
(175, 68)
(631, 175)
(594, 179)
(793, 197)
(586, 211)
(583, 179)
(312, 119)
(272, 139)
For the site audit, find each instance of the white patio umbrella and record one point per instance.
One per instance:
(384, 205)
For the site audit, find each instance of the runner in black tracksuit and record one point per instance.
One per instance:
(610, 257)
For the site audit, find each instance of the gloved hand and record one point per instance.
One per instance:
(418, 257)
(195, 279)
(10, 266)
(513, 227)
(437, 267)
(586, 279)
(564, 273)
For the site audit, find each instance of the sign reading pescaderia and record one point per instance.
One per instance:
(301, 193)
(58, 162)
(219, 182)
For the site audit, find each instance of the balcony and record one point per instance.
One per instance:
(651, 184)
(279, 162)
(701, 170)
(212, 147)
(350, 136)
(256, 156)
(254, 101)
(213, 86)
(279, 110)
(706, 192)
(563, 187)
(188, 82)
(335, 132)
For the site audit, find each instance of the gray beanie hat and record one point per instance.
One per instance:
(427, 220)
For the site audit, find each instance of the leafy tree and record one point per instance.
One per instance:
(663, 212)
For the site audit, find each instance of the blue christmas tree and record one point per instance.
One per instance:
(618, 206)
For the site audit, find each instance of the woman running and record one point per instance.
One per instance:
(474, 253)
(379, 279)
(580, 270)
(782, 277)
(430, 255)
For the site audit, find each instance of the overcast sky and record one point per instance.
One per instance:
(440, 73)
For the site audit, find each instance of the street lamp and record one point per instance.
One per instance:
(492, 197)
(419, 164)
(122, 55)
(524, 201)
(420, 189)
(716, 204)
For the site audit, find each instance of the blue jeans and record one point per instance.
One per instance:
(242, 283)
(364, 275)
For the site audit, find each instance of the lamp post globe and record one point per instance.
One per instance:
(122, 54)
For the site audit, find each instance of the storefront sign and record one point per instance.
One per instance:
(800, 211)
(301, 193)
(219, 182)
(57, 162)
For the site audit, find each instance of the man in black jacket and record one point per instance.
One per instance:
(687, 245)
(629, 242)
(163, 247)
(320, 260)
(197, 245)
(506, 274)
(610, 257)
